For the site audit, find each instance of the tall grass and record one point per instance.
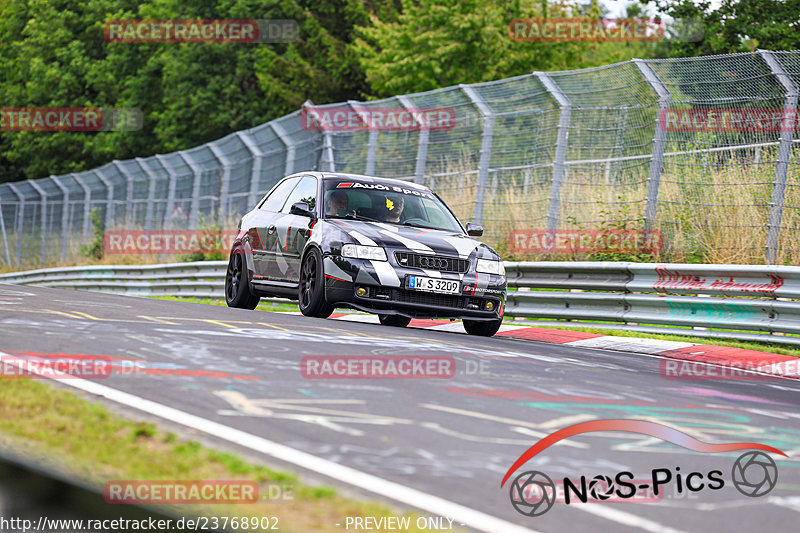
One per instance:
(711, 209)
(31, 248)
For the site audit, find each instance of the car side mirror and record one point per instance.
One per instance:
(474, 230)
(301, 209)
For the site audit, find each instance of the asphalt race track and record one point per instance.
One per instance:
(450, 440)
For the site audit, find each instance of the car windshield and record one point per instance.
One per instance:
(387, 202)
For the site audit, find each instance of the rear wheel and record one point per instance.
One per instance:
(483, 328)
(237, 286)
(311, 292)
(398, 321)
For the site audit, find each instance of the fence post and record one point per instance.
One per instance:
(151, 193)
(659, 140)
(287, 142)
(5, 236)
(784, 154)
(43, 196)
(422, 142)
(20, 218)
(372, 142)
(87, 201)
(173, 182)
(327, 160)
(129, 210)
(561, 148)
(486, 149)
(225, 183)
(109, 199)
(64, 216)
(195, 207)
(258, 158)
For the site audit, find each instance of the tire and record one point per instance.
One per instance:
(398, 321)
(237, 285)
(483, 328)
(311, 291)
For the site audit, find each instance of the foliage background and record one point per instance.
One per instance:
(52, 53)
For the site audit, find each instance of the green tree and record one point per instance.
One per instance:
(735, 26)
(54, 55)
(436, 43)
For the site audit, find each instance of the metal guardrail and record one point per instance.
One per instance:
(201, 279)
(647, 297)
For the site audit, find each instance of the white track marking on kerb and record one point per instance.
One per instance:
(361, 319)
(457, 327)
(630, 344)
(344, 474)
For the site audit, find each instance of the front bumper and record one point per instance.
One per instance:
(472, 303)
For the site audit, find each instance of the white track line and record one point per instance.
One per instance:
(344, 474)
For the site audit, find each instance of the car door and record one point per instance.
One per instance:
(292, 231)
(262, 230)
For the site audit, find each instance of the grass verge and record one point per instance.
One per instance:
(66, 429)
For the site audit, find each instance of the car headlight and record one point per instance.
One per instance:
(358, 251)
(491, 267)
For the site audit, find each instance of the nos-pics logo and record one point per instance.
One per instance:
(533, 493)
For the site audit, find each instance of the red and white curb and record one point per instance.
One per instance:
(683, 360)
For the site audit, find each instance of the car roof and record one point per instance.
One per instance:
(368, 179)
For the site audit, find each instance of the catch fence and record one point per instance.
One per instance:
(703, 150)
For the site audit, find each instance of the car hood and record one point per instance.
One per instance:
(413, 238)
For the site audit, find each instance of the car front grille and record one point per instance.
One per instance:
(431, 298)
(407, 296)
(438, 263)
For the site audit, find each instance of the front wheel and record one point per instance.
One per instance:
(398, 321)
(311, 292)
(483, 328)
(237, 286)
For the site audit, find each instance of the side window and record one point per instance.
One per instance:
(306, 191)
(277, 197)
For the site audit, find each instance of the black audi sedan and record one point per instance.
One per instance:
(378, 245)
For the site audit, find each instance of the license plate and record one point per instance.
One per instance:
(421, 283)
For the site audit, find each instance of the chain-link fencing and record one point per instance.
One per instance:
(702, 151)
